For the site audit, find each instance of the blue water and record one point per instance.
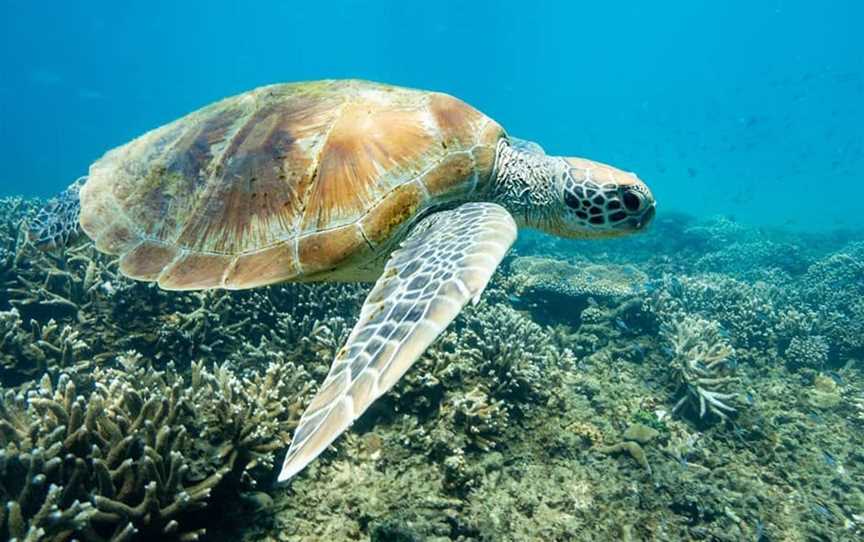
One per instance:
(748, 109)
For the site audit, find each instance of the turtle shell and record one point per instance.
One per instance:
(284, 182)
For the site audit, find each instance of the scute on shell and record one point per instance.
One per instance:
(282, 182)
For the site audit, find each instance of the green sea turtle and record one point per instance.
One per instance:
(342, 181)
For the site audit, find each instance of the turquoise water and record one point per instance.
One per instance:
(751, 110)
(701, 381)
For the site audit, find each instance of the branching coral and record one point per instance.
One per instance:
(834, 287)
(480, 418)
(12, 214)
(123, 447)
(27, 351)
(699, 366)
(249, 418)
(486, 438)
(499, 348)
(748, 313)
(133, 447)
(62, 282)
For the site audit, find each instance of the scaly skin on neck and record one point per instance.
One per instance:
(525, 184)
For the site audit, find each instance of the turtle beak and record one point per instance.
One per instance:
(646, 217)
(639, 204)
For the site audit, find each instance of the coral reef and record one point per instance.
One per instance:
(554, 287)
(30, 351)
(807, 351)
(121, 448)
(146, 448)
(576, 401)
(699, 365)
(834, 289)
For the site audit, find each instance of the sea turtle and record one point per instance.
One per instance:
(342, 180)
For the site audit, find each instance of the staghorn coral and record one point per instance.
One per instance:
(499, 379)
(32, 511)
(145, 447)
(122, 448)
(492, 345)
(61, 282)
(699, 367)
(477, 416)
(83, 288)
(27, 351)
(248, 419)
(13, 212)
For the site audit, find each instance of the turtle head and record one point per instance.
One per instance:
(570, 197)
(598, 200)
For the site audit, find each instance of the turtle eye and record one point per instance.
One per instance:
(571, 200)
(632, 202)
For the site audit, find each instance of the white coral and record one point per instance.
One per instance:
(699, 364)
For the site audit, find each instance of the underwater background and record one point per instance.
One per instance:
(742, 108)
(701, 381)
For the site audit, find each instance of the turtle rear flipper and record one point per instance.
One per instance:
(446, 261)
(56, 223)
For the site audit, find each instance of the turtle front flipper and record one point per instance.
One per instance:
(447, 260)
(56, 224)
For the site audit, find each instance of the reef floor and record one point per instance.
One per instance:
(699, 382)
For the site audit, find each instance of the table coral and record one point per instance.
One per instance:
(538, 276)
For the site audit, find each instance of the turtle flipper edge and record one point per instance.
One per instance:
(446, 260)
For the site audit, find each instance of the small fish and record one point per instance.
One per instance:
(639, 350)
(668, 351)
(835, 376)
(760, 530)
(749, 398)
(622, 325)
(822, 511)
(723, 332)
(829, 459)
(592, 302)
(513, 298)
(814, 417)
(749, 121)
